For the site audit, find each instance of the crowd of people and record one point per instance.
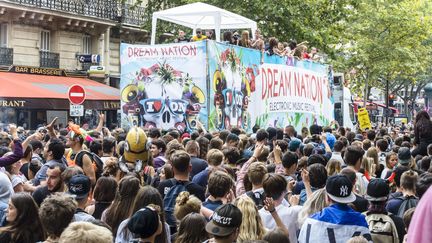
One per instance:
(271, 46)
(320, 184)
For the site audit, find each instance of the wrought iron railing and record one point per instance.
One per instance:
(49, 59)
(6, 56)
(133, 15)
(104, 9)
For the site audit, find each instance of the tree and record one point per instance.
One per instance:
(389, 42)
(320, 22)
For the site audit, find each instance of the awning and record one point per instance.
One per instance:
(50, 92)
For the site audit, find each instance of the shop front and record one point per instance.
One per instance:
(31, 100)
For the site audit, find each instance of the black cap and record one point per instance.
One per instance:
(145, 222)
(226, 218)
(358, 137)
(377, 190)
(339, 189)
(404, 156)
(79, 186)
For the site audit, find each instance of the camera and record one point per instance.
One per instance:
(236, 36)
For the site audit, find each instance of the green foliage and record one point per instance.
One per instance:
(387, 40)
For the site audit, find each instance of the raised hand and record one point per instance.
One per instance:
(269, 204)
(50, 126)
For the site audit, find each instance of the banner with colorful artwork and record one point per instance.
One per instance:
(233, 71)
(249, 88)
(164, 86)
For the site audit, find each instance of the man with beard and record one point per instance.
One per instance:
(53, 153)
(54, 183)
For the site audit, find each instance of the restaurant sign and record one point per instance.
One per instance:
(38, 70)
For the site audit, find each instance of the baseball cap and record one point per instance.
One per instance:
(145, 222)
(225, 220)
(358, 137)
(331, 140)
(404, 156)
(294, 144)
(339, 189)
(79, 186)
(377, 190)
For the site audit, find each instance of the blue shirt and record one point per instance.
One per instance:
(212, 205)
(201, 178)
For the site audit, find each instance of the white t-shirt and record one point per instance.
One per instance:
(338, 156)
(361, 184)
(289, 217)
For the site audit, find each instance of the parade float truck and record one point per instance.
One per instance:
(220, 86)
(343, 102)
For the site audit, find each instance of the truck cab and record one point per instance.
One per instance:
(343, 102)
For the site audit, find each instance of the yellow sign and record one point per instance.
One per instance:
(363, 119)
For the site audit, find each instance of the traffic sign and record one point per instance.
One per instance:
(89, 58)
(76, 94)
(76, 110)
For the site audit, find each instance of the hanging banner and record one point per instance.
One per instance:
(164, 86)
(249, 88)
(222, 86)
(232, 71)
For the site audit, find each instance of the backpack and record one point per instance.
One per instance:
(382, 228)
(169, 200)
(408, 202)
(96, 162)
(257, 197)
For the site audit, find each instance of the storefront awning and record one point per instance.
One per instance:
(51, 92)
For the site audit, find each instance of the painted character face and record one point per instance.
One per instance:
(233, 105)
(167, 111)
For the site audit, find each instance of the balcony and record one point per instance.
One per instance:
(103, 9)
(49, 59)
(133, 15)
(6, 56)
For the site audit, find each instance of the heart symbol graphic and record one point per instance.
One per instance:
(157, 105)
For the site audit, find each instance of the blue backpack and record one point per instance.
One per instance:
(170, 201)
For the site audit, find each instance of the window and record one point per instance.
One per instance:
(87, 44)
(3, 35)
(45, 44)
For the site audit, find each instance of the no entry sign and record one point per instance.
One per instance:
(76, 94)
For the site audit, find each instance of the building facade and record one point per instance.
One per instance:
(54, 33)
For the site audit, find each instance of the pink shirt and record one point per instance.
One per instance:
(420, 229)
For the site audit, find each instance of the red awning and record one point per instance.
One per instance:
(360, 103)
(51, 92)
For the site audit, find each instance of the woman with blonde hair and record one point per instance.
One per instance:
(372, 152)
(312, 205)
(186, 204)
(333, 167)
(245, 41)
(369, 167)
(252, 227)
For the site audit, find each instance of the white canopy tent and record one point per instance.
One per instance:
(203, 16)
